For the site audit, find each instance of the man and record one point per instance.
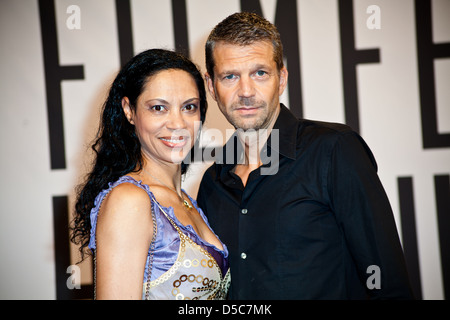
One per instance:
(319, 225)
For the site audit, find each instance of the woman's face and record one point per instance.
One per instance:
(167, 116)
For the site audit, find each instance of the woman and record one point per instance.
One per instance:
(148, 237)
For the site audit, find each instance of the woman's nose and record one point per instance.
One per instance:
(176, 120)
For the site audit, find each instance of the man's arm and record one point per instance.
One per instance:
(363, 212)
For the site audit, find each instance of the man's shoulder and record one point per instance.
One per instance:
(210, 173)
(287, 121)
(323, 128)
(313, 131)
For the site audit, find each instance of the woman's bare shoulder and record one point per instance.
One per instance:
(124, 200)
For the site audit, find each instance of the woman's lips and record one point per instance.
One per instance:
(174, 142)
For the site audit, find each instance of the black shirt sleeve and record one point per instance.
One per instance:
(365, 216)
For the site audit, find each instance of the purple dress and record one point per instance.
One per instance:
(169, 257)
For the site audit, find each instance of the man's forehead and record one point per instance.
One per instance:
(223, 45)
(257, 53)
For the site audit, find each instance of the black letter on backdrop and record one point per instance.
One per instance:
(427, 51)
(409, 233)
(62, 253)
(180, 27)
(442, 189)
(287, 25)
(125, 32)
(54, 74)
(350, 59)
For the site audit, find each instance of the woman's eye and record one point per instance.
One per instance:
(190, 107)
(158, 108)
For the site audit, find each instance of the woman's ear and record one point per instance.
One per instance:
(127, 109)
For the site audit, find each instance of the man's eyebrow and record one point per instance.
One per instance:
(260, 66)
(231, 71)
(252, 68)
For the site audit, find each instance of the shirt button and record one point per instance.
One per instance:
(244, 211)
(243, 255)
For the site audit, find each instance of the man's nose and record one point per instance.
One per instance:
(246, 87)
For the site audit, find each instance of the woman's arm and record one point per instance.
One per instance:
(124, 233)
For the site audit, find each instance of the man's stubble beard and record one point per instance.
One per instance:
(240, 122)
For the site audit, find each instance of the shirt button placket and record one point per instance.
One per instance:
(244, 212)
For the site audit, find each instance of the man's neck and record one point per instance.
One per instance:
(253, 141)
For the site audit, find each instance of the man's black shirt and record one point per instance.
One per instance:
(317, 229)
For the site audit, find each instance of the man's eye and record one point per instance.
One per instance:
(229, 77)
(260, 73)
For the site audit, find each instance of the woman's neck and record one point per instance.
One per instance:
(168, 175)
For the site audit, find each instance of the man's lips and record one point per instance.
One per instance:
(247, 109)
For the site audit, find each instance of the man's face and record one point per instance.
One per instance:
(247, 84)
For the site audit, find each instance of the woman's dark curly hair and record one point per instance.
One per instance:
(117, 148)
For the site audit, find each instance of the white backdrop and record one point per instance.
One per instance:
(388, 95)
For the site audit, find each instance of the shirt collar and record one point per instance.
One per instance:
(287, 127)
